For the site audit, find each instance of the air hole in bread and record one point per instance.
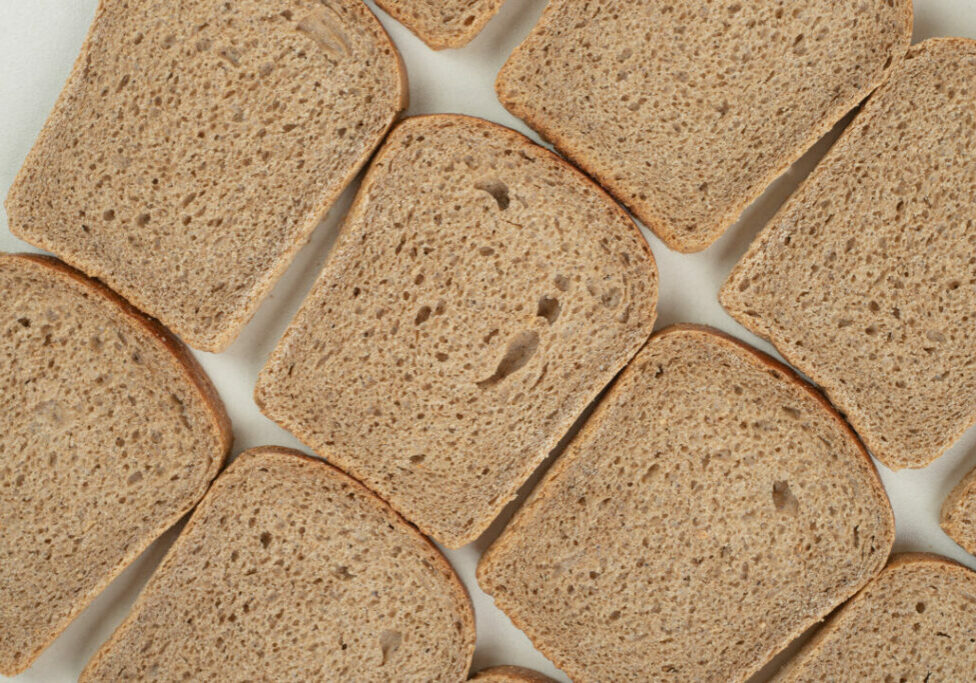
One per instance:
(498, 190)
(389, 643)
(520, 351)
(549, 308)
(783, 498)
(422, 315)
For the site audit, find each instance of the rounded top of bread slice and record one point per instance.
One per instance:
(958, 516)
(109, 433)
(481, 294)
(510, 674)
(687, 111)
(443, 23)
(712, 509)
(915, 622)
(197, 144)
(290, 570)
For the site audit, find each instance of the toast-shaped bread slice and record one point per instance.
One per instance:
(712, 509)
(687, 111)
(914, 622)
(958, 517)
(290, 570)
(197, 144)
(481, 295)
(109, 433)
(864, 280)
(510, 674)
(443, 23)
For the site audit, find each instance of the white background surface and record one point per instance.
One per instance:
(39, 40)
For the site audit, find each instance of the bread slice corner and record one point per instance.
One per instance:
(442, 24)
(958, 514)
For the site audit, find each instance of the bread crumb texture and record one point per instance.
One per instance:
(443, 23)
(510, 674)
(866, 279)
(481, 295)
(291, 571)
(108, 435)
(196, 145)
(712, 509)
(914, 622)
(959, 513)
(686, 111)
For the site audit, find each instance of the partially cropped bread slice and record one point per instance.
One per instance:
(109, 433)
(481, 295)
(712, 509)
(443, 23)
(290, 570)
(510, 674)
(865, 279)
(196, 145)
(914, 622)
(687, 111)
(959, 513)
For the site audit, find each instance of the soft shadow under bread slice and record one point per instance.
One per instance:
(712, 509)
(290, 570)
(109, 433)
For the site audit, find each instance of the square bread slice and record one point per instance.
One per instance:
(914, 622)
(687, 111)
(109, 433)
(866, 279)
(443, 23)
(197, 144)
(712, 509)
(958, 517)
(291, 571)
(510, 674)
(481, 295)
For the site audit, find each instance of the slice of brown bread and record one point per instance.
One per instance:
(443, 23)
(109, 433)
(865, 279)
(687, 111)
(481, 295)
(958, 516)
(290, 570)
(712, 508)
(196, 145)
(914, 622)
(510, 674)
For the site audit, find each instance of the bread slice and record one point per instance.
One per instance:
(687, 111)
(914, 622)
(109, 433)
(481, 295)
(510, 674)
(290, 570)
(958, 516)
(712, 508)
(196, 145)
(864, 280)
(443, 23)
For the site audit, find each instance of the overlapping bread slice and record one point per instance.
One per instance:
(712, 508)
(109, 433)
(290, 570)
(482, 293)
(196, 145)
(443, 23)
(866, 279)
(510, 674)
(958, 516)
(914, 622)
(687, 111)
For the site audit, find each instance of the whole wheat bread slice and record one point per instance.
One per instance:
(958, 517)
(290, 570)
(109, 433)
(443, 23)
(712, 508)
(687, 111)
(482, 293)
(196, 145)
(914, 622)
(510, 674)
(865, 279)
